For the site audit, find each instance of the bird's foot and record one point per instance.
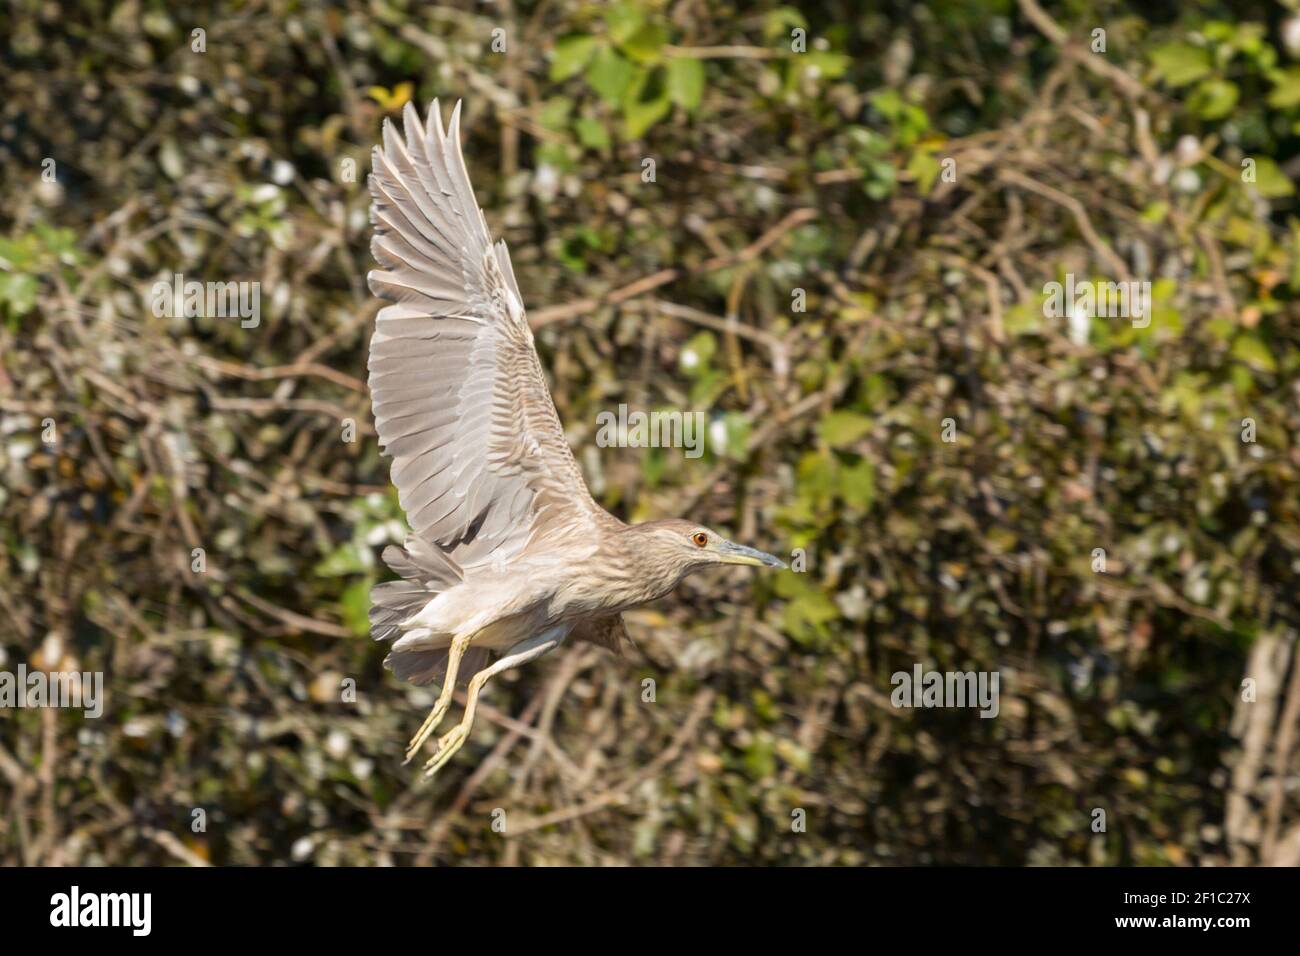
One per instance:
(427, 728)
(448, 744)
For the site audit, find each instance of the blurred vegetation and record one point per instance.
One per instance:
(774, 171)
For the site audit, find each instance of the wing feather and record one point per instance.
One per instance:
(480, 460)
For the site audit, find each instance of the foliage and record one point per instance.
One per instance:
(823, 171)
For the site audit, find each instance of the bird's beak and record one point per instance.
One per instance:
(730, 553)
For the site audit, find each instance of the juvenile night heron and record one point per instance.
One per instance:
(508, 554)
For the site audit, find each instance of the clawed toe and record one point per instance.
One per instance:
(448, 744)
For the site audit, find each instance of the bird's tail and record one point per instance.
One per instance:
(426, 572)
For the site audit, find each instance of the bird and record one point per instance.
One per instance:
(507, 554)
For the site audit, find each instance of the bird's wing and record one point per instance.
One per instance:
(608, 632)
(480, 460)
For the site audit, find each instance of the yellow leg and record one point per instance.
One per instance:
(454, 654)
(521, 653)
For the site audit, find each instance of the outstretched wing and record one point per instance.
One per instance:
(480, 460)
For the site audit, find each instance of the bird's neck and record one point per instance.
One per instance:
(650, 573)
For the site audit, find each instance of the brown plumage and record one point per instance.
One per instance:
(508, 553)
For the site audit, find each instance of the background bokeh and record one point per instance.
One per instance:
(774, 171)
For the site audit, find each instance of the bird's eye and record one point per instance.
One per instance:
(700, 538)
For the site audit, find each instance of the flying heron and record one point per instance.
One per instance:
(508, 553)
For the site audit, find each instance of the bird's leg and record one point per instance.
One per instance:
(454, 653)
(521, 653)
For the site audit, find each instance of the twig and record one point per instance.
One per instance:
(619, 793)
(1090, 61)
(1113, 261)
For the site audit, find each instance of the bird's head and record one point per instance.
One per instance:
(683, 547)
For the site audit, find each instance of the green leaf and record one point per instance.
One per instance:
(610, 74)
(686, 82)
(1270, 181)
(1251, 350)
(839, 429)
(736, 431)
(1180, 63)
(646, 45)
(639, 115)
(623, 20)
(1294, 281)
(1213, 99)
(697, 353)
(354, 605)
(572, 53)
(345, 559)
(19, 290)
(591, 133)
(807, 614)
(828, 65)
(760, 761)
(858, 485)
(1156, 212)
(925, 170)
(16, 254)
(1286, 89)
(555, 113)
(779, 22)
(880, 180)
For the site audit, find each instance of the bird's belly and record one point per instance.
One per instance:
(506, 633)
(499, 610)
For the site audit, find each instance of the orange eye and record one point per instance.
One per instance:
(700, 538)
